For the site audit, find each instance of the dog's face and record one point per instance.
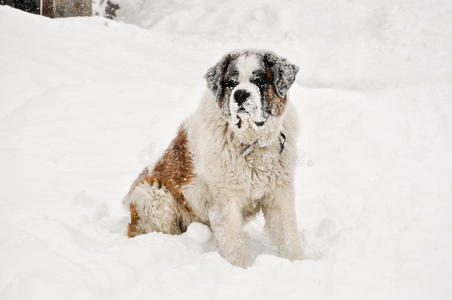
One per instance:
(251, 87)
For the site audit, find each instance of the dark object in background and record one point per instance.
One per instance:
(62, 8)
(72, 8)
(31, 6)
(47, 8)
(110, 10)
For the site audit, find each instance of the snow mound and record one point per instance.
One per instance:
(339, 44)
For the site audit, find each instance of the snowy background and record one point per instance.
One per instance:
(85, 103)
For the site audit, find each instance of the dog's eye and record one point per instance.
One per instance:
(260, 80)
(231, 83)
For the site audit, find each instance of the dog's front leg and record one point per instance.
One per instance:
(281, 223)
(226, 224)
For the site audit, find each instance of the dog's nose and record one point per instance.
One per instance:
(240, 96)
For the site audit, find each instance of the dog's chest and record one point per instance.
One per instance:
(258, 172)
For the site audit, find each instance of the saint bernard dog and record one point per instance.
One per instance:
(233, 157)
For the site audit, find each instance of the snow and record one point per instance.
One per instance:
(85, 103)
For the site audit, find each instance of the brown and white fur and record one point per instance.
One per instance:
(234, 156)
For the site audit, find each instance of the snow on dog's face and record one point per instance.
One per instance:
(251, 87)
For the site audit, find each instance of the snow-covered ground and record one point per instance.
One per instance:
(85, 103)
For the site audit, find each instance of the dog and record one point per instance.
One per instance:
(232, 158)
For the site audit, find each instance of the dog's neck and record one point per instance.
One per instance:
(248, 148)
(244, 139)
(247, 140)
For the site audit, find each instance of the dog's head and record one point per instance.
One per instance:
(251, 87)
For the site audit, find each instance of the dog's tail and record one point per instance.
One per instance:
(143, 174)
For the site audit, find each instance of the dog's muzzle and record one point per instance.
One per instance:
(246, 106)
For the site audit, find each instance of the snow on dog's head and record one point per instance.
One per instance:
(251, 87)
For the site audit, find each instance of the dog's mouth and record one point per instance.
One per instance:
(241, 115)
(240, 121)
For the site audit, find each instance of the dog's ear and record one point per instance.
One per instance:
(215, 76)
(282, 72)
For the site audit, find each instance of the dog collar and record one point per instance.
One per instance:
(282, 142)
(247, 148)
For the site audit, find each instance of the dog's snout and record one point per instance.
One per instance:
(240, 96)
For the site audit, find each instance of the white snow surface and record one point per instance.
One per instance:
(86, 103)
